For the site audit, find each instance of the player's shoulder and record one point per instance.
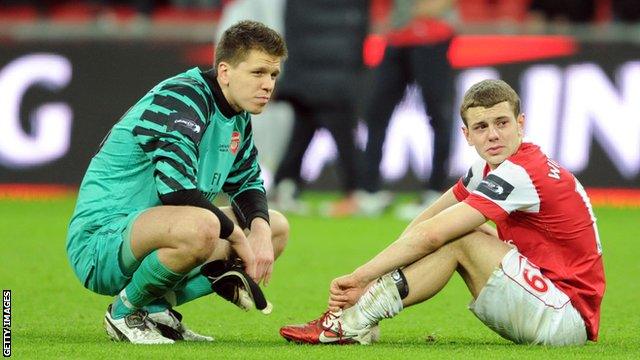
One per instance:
(528, 156)
(189, 85)
(529, 165)
(475, 174)
(187, 92)
(520, 168)
(536, 163)
(192, 78)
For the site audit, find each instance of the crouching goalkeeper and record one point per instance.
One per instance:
(144, 222)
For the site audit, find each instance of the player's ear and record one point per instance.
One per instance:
(223, 72)
(465, 132)
(520, 122)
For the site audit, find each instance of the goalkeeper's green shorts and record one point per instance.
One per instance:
(105, 274)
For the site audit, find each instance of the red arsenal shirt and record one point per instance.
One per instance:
(542, 209)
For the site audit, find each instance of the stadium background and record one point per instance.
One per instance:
(66, 80)
(68, 74)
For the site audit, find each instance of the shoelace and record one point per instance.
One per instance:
(331, 316)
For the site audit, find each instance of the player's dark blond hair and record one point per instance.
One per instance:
(238, 40)
(487, 93)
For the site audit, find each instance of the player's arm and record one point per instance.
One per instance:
(194, 197)
(445, 201)
(516, 192)
(488, 229)
(245, 188)
(422, 239)
(169, 132)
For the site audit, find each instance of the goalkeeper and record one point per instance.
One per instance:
(144, 221)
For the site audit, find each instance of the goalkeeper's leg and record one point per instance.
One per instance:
(195, 285)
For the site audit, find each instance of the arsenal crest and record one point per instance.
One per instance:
(235, 142)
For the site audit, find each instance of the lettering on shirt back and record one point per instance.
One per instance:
(554, 169)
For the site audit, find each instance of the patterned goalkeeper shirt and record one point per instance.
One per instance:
(181, 135)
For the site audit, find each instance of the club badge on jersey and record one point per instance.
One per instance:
(235, 142)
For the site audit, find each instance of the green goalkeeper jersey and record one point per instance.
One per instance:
(181, 135)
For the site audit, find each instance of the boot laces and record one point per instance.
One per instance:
(327, 322)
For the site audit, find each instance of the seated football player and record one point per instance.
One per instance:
(144, 222)
(537, 279)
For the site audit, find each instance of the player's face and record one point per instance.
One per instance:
(249, 85)
(495, 132)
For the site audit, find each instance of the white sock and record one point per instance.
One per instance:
(382, 300)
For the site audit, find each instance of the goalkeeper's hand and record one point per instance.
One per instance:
(229, 280)
(242, 248)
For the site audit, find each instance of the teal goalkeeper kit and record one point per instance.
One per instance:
(201, 144)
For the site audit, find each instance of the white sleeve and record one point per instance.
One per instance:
(474, 175)
(510, 187)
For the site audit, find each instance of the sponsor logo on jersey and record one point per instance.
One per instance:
(495, 188)
(235, 142)
(189, 124)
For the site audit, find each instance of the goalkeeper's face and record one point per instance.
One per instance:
(249, 85)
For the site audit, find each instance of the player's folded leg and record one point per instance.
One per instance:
(229, 280)
(169, 323)
(329, 329)
(136, 328)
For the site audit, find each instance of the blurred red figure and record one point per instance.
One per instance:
(418, 34)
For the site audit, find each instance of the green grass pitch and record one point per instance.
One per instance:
(54, 317)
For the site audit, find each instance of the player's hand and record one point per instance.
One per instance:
(240, 245)
(260, 241)
(345, 291)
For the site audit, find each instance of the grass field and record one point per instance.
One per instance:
(55, 317)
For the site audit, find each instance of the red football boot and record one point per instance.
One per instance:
(328, 329)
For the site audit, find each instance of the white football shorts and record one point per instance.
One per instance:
(522, 305)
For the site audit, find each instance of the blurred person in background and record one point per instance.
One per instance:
(325, 40)
(145, 221)
(278, 114)
(140, 21)
(268, 12)
(418, 37)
